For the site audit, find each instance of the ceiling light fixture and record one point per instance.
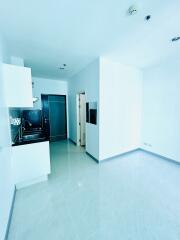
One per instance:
(175, 39)
(132, 10)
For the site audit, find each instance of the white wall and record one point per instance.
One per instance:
(161, 109)
(85, 81)
(49, 86)
(6, 184)
(120, 108)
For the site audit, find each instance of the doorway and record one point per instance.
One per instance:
(54, 116)
(81, 119)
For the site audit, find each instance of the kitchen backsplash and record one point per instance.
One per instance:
(14, 114)
(31, 116)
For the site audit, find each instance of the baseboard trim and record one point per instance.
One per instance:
(160, 156)
(95, 159)
(131, 151)
(112, 158)
(10, 214)
(72, 141)
(118, 155)
(31, 182)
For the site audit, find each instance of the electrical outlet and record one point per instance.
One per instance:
(147, 144)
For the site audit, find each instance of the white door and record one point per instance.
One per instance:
(82, 118)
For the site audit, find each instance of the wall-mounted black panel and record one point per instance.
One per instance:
(93, 116)
(87, 112)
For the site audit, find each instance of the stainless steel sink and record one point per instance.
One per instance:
(32, 137)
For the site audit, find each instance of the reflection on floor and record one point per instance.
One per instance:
(132, 197)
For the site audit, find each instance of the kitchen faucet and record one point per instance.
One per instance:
(22, 127)
(29, 123)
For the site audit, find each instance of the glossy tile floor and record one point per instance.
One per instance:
(132, 197)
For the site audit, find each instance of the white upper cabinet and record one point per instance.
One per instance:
(18, 86)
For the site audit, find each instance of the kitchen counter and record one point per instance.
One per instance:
(18, 143)
(29, 137)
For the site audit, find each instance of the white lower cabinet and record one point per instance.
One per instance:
(30, 163)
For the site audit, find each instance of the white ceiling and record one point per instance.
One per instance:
(49, 33)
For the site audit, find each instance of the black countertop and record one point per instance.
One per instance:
(31, 136)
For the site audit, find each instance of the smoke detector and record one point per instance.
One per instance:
(63, 66)
(148, 17)
(133, 9)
